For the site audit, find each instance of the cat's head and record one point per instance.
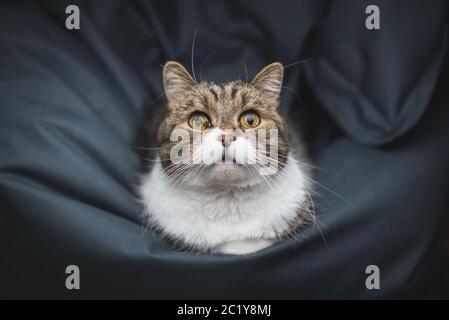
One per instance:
(214, 135)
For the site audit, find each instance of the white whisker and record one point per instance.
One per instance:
(193, 53)
(205, 59)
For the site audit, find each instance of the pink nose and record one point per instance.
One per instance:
(226, 139)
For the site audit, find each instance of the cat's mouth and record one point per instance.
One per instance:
(227, 161)
(227, 173)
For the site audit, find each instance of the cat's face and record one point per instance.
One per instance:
(214, 134)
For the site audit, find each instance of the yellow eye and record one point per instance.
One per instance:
(199, 121)
(249, 120)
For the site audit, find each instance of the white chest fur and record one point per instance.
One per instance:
(237, 221)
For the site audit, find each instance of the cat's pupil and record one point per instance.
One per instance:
(198, 121)
(250, 119)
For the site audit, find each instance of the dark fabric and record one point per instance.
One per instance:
(377, 84)
(72, 102)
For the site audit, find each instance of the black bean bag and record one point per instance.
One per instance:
(373, 105)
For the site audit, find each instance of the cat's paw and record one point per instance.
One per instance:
(242, 247)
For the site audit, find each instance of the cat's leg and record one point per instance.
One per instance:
(241, 247)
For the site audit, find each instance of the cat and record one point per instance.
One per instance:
(215, 197)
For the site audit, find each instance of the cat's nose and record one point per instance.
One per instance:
(226, 139)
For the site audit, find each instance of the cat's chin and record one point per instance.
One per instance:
(232, 175)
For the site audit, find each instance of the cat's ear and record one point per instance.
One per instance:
(270, 78)
(176, 80)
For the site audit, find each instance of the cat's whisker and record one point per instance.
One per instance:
(265, 178)
(271, 161)
(189, 173)
(154, 160)
(147, 227)
(277, 173)
(312, 213)
(249, 171)
(284, 67)
(300, 162)
(170, 168)
(146, 159)
(186, 172)
(202, 169)
(205, 59)
(150, 148)
(261, 156)
(178, 169)
(174, 165)
(192, 174)
(158, 97)
(317, 224)
(284, 179)
(173, 170)
(303, 163)
(193, 53)
(290, 235)
(178, 175)
(281, 176)
(246, 72)
(331, 191)
(292, 90)
(276, 182)
(297, 62)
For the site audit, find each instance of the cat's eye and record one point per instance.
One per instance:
(249, 120)
(199, 121)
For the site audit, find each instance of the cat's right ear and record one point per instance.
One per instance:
(176, 80)
(270, 78)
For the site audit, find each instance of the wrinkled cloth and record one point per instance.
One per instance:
(72, 102)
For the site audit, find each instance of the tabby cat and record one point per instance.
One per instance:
(226, 174)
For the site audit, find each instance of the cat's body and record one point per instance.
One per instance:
(231, 207)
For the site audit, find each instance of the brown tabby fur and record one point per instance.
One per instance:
(223, 103)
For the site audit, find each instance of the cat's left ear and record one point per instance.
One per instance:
(270, 78)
